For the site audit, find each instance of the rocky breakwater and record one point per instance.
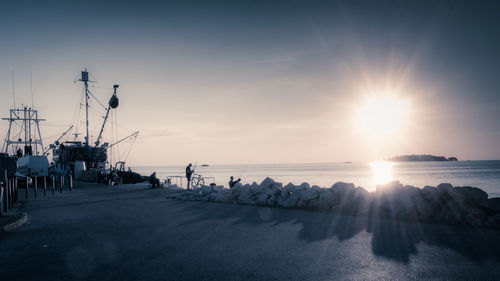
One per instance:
(441, 204)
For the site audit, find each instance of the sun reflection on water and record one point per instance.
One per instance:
(382, 172)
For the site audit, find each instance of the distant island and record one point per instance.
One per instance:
(420, 158)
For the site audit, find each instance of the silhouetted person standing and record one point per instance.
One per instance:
(233, 182)
(189, 173)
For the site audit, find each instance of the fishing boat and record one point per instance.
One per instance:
(86, 160)
(24, 142)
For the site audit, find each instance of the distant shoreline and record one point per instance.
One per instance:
(420, 158)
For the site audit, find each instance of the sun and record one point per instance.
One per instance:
(382, 116)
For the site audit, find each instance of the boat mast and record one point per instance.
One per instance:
(85, 80)
(25, 116)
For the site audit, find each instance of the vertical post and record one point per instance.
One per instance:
(16, 189)
(70, 182)
(6, 188)
(1, 198)
(44, 185)
(36, 185)
(11, 193)
(61, 179)
(53, 184)
(27, 187)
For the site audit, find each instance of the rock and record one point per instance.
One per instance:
(393, 200)
(445, 187)
(291, 201)
(362, 199)
(285, 192)
(442, 204)
(304, 185)
(277, 186)
(327, 199)
(472, 193)
(494, 221)
(267, 182)
(261, 198)
(462, 213)
(246, 197)
(316, 188)
(343, 188)
(423, 206)
(305, 196)
(314, 203)
(224, 196)
(492, 204)
(451, 214)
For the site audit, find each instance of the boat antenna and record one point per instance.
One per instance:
(31, 89)
(13, 89)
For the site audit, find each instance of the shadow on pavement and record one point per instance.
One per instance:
(391, 239)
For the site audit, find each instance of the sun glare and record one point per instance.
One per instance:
(382, 116)
(382, 172)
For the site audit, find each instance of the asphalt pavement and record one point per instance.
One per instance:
(133, 233)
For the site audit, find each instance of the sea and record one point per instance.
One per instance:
(482, 174)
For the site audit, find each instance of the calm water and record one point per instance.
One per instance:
(482, 174)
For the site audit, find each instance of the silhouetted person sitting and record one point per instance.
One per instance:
(154, 181)
(189, 173)
(233, 182)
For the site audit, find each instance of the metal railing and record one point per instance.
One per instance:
(196, 180)
(9, 188)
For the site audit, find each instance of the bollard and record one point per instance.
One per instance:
(53, 184)
(27, 187)
(44, 185)
(61, 183)
(36, 185)
(70, 181)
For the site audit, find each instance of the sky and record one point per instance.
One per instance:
(230, 82)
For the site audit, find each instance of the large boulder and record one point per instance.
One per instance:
(305, 196)
(472, 193)
(267, 182)
(492, 205)
(328, 198)
(246, 196)
(291, 201)
(285, 193)
(393, 200)
(461, 212)
(346, 199)
(494, 221)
